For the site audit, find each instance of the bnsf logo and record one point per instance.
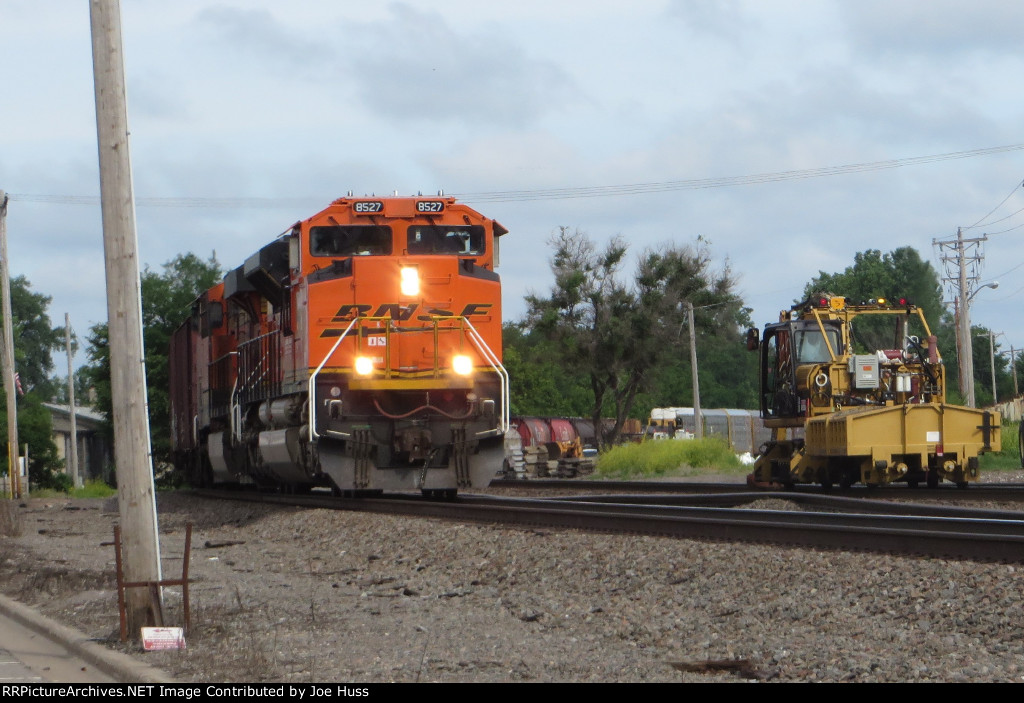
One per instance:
(346, 313)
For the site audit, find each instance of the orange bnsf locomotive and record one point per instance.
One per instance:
(360, 350)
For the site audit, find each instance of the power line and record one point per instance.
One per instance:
(693, 184)
(1010, 271)
(1001, 219)
(997, 207)
(549, 193)
(1006, 297)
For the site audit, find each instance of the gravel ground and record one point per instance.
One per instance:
(283, 595)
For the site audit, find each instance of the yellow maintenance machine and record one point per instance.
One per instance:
(840, 413)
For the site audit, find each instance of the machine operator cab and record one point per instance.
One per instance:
(789, 350)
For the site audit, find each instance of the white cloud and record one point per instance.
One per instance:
(309, 99)
(941, 30)
(415, 66)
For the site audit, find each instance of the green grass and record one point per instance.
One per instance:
(92, 489)
(1006, 460)
(670, 457)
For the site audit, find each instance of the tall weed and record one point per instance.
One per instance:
(669, 457)
(1009, 458)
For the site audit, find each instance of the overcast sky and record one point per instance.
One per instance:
(248, 115)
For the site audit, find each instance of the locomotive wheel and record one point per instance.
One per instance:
(202, 473)
(933, 478)
(962, 485)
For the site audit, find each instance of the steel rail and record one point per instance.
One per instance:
(1006, 492)
(821, 502)
(960, 538)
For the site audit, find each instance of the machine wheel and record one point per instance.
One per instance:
(847, 478)
(1020, 442)
(962, 485)
(933, 478)
(440, 493)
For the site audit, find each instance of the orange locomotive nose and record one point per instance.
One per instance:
(360, 350)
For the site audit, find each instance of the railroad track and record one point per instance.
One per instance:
(979, 492)
(927, 530)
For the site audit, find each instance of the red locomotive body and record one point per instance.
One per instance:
(359, 350)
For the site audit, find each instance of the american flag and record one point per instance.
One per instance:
(17, 383)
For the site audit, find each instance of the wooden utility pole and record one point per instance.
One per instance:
(992, 361)
(13, 470)
(1013, 365)
(967, 350)
(76, 475)
(698, 419)
(964, 282)
(136, 495)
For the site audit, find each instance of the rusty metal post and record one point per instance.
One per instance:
(153, 586)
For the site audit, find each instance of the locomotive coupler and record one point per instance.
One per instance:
(416, 441)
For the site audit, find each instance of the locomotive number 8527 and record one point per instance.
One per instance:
(359, 350)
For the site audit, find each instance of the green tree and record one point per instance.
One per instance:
(34, 342)
(901, 273)
(166, 302)
(617, 334)
(727, 371)
(83, 388)
(986, 355)
(34, 338)
(35, 430)
(540, 387)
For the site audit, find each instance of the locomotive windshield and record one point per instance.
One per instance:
(439, 239)
(350, 240)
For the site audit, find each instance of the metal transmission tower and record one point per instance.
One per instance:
(962, 259)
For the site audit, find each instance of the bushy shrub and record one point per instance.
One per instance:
(669, 457)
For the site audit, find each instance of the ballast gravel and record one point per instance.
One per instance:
(286, 595)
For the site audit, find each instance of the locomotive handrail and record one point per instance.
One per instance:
(491, 358)
(236, 432)
(262, 363)
(236, 408)
(215, 386)
(313, 434)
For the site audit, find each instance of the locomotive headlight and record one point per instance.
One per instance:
(364, 365)
(410, 281)
(462, 365)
